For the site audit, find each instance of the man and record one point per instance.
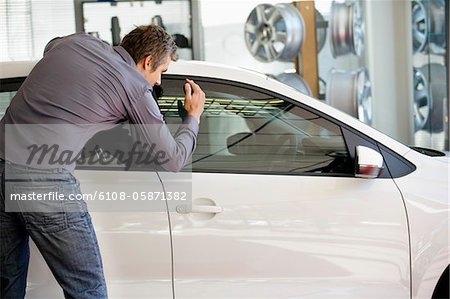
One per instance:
(88, 85)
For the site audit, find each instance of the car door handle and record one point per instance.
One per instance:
(186, 209)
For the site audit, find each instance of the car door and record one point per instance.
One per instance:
(132, 230)
(277, 211)
(133, 233)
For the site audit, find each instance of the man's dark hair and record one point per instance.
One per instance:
(150, 40)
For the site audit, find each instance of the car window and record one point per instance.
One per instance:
(244, 130)
(5, 99)
(8, 89)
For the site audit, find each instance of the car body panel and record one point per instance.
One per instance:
(135, 246)
(16, 69)
(309, 236)
(429, 219)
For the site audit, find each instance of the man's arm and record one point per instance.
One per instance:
(175, 151)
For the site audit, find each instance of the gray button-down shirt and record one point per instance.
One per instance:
(87, 86)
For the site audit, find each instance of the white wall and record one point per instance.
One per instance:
(388, 47)
(389, 59)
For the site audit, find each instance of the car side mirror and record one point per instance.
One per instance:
(368, 163)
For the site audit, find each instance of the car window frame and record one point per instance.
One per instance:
(13, 84)
(346, 131)
(269, 93)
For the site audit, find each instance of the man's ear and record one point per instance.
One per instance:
(147, 63)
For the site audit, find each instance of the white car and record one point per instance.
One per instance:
(291, 198)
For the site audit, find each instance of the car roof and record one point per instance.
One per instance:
(204, 69)
(16, 69)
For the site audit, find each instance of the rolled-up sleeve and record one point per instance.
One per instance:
(175, 151)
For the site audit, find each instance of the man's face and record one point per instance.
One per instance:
(154, 76)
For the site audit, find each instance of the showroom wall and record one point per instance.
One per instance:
(27, 25)
(387, 56)
(388, 41)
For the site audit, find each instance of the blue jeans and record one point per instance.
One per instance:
(62, 231)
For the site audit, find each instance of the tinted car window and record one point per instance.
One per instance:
(5, 99)
(8, 89)
(243, 130)
(248, 131)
